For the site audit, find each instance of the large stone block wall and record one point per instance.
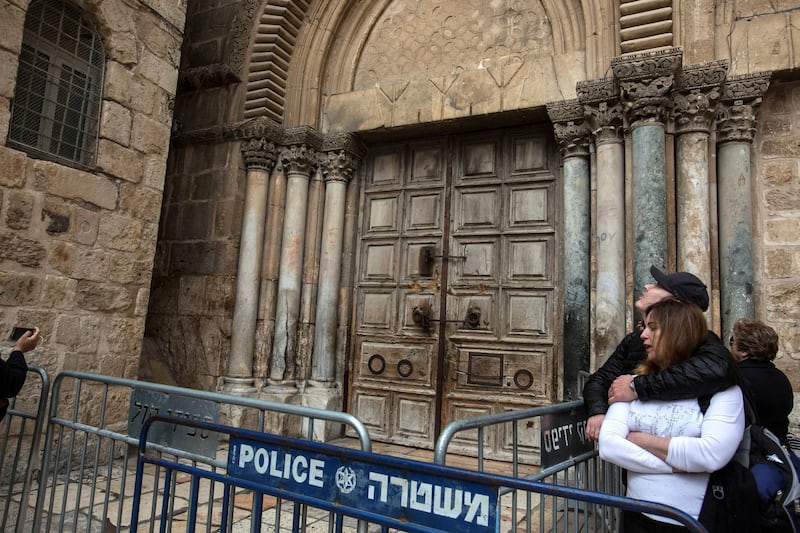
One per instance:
(194, 278)
(78, 246)
(777, 201)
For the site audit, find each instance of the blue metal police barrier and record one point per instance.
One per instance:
(396, 494)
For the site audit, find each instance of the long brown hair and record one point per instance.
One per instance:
(682, 329)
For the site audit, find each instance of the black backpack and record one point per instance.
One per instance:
(758, 490)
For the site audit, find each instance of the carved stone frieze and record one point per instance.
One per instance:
(344, 141)
(746, 87)
(241, 33)
(571, 131)
(259, 153)
(260, 127)
(648, 65)
(207, 77)
(705, 75)
(303, 135)
(595, 91)
(565, 111)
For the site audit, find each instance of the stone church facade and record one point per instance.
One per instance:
(414, 211)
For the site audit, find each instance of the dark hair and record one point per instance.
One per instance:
(756, 339)
(682, 329)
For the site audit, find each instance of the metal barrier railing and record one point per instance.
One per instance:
(86, 476)
(20, 435)
(563, 456)
(336, 487)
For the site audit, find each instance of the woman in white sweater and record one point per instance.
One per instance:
(669, 447)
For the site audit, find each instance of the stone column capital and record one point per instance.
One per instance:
(645, 81)
(602, 109)
(340, 156)
(699, 91)
(300, 153)
(572, 132)
(259, 153)
(338, 165)
(741, 95)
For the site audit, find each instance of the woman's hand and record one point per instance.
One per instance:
(658, 446)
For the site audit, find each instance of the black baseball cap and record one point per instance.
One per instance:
(683, 285)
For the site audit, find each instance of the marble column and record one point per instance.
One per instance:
(572, 134)
(604, 114)
(646, 81)
(298, 158)
(736, 124)
(693, 112)
(338, 166)
(259, 155)
(270, 270)
(311, 271)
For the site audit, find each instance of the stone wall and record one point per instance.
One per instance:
(194, 278)
(79, 245)
(777, 201)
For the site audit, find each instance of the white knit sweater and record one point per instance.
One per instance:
(699, 445)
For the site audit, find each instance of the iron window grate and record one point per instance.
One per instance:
(57, 100)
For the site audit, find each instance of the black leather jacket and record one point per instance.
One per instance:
(710, 370)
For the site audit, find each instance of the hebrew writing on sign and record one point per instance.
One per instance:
(402, 494)
(564, 437)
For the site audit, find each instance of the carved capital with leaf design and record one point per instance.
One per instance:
(699, 91)
(259, 153)
(571, 130)
(645, 81)
(741, 95)
(302, 146)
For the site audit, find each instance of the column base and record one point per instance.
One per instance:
(326, 396)
(232, 385)
(279, 386)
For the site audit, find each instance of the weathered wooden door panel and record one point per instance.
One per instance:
(456, 285)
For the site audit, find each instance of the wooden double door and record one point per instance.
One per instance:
(456, 284)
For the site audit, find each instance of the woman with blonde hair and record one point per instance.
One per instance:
(670, 447)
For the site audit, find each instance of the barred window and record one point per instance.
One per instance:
(56, 107)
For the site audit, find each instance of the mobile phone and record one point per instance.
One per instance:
(19, 332)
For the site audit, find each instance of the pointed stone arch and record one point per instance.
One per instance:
(329, 51)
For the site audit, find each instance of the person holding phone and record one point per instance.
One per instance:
(14, 370)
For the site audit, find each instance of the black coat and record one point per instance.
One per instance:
(771, 393)
(12, 377)
(710, 370)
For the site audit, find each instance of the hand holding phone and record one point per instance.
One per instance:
(25, 341)
(18, 332)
